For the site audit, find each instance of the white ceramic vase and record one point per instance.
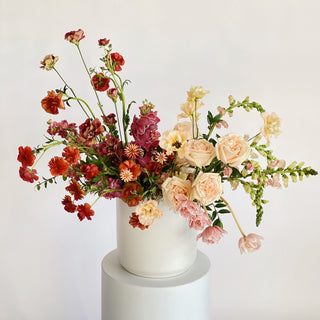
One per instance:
(166, 249)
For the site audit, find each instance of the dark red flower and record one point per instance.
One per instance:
(134, 221)
(25, 156)
(61, 128)
(75, 189)
(85, 211)
(154, 167)
(100, 82)
(117, 61)
(74, 36)
(109, 120)
(89, 130)
(52, 102)
(28, 174)
(69, 206)
(90, 171)
(71, 154)
(58, 166)
(103, 42)
(131, 194)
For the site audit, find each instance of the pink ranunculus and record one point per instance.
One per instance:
(250, 243)
(199, 221)
(211, 234)
(186, 207)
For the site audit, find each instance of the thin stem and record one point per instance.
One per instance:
(115, 106)
(103, 193)
(72, 92)
(78, 99)
(56, 143)
(95, 91)
(233, 215)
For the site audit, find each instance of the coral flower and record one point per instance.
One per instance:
(90, 171)
(131, 194)
(117, 61)
(100, 82)
(52, 102)
(250, 243)
(25, 156)
(75, 189)
(129, 170)
(85, 211)
(69, 206)
(74, 36)
(211, 234)
(71, 154)
(27, 174)
(58, 166)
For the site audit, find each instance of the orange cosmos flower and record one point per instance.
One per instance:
(58, 166)
(129, 170)
(52, 102)
(75, 189)
(131, 194)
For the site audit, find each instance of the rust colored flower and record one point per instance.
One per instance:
(74, 36)
(52, 102)
(25, 156)
(113, 94)
(89, 130)
(69, 206)
(109, 120)
(89, 171)
(71, 154)
(100, 82)
(75, 189)
(28, 174)
(117, 61)
(48, 62)
(85, 211)
(131, 194)
(58, 166)
(129, 170)
(103, 42)
(154, 167)
(134, 221)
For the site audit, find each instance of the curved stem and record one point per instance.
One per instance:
(95, 91)
(78, 99)
(115, 106)
(233, 215)
(56, 143)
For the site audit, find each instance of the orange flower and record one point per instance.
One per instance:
(52, 102)
(131, 194)
(71, 154)
(75, 189)
(134, 221)
(129, 170)
(58, 166)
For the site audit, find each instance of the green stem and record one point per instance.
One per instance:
(103, 193)
(78, 99)
(95, 91)
(115, 106)
(56, 143)
(71, 91)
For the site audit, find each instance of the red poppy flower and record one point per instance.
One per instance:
(25, 156)
(28, 174)
(100, 82)
(134, 221)
(131, 194)
(85, 211)
(117, 60)
(71, 154)
(75, 189)
(90, 171)
(52, 102)
(58, 166)
(69, 206)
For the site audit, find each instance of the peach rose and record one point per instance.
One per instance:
(207, 188)
(199, 153)
(232, 149)
(147, 212)
(172, 187)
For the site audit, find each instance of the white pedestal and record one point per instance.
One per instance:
(126, 296)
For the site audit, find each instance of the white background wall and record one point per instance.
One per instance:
(49, 261)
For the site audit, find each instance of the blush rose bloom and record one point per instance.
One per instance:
(250, 243)
(172, 187)
(199, 153)
(147, 212)
(232, 149)
(207, 188)
(211, 234)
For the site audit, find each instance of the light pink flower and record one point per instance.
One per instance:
(222, 111)
(211, 234)
(227, 171)
(250, 243)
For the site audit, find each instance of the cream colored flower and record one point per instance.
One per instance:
(173, 186)
(186, 127)
(196, 92)
(189, 108)
(250, 243)
(48, 62)
(173, 140)
(207, 188)
(271, 125)
(147, 212)
(232, 149)
(199, 153)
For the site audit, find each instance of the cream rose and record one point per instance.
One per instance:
(207, 188)
(172, 187)
(199, 153)
(147, 212)
(232, 149)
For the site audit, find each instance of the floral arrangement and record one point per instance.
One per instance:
(114, 156)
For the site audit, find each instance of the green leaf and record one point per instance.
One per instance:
(224, 211)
